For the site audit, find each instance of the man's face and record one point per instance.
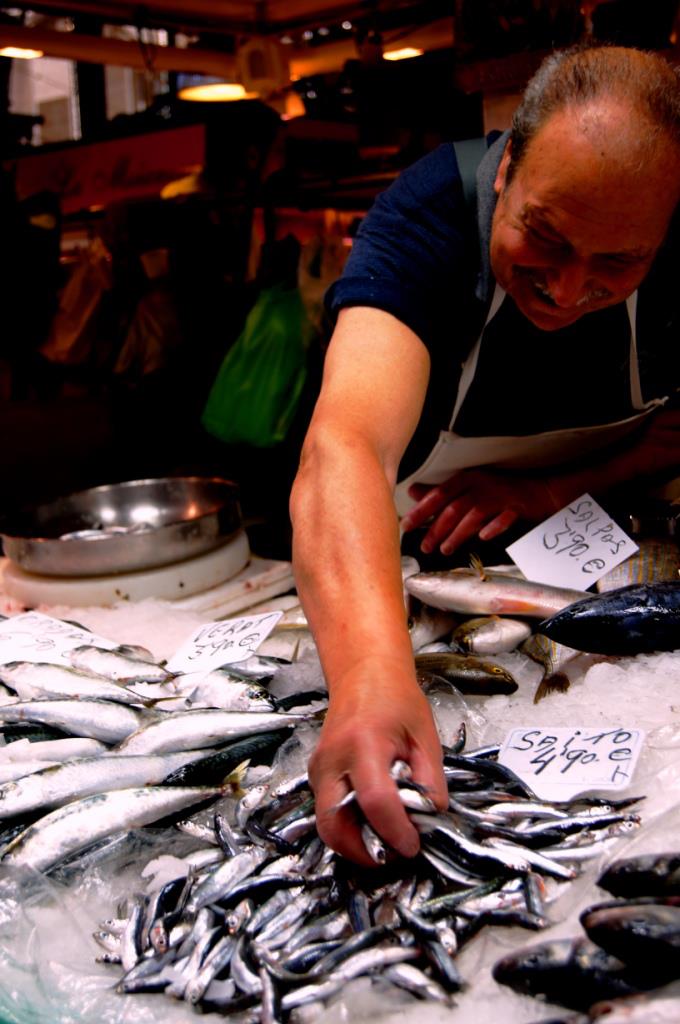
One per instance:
(578, 226)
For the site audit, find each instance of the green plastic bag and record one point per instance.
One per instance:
(259, 384)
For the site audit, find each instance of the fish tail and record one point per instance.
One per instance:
(232, 782)
(558, 682)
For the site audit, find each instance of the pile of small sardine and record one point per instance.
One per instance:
(263, 918)
(631, 948)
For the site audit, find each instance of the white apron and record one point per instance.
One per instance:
(453, 452)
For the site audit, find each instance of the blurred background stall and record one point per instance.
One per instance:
(144, 219)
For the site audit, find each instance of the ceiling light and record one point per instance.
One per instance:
(307, 35)
(19, 53)
(347, 25)
(403, 54)
(210, 89)
(324, 31)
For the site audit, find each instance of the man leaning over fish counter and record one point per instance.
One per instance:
(536, 349)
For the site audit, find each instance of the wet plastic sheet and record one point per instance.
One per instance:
(47, 954)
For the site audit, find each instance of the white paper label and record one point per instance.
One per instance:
(36, 637)
(562, 762)
(223, 643)
(573, 548)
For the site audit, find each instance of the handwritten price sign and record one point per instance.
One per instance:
(560, 763)
(223, 643)
(574, 548)
(36, 637)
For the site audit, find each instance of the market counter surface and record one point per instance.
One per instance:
(46, 948)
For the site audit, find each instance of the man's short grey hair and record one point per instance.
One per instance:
(579, 75)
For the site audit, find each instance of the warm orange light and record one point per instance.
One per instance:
(294, 107)
(403, 54)
(216, 92)
(19, 53)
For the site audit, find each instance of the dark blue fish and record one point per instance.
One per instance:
(656, 874)
(633, 620)
(644, 936)
(259, 749)
(571, 972)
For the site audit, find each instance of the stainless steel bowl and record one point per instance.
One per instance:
(116, 528)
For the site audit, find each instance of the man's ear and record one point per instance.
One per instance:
(502, 172)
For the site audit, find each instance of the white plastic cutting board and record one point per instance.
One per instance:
(169, 582)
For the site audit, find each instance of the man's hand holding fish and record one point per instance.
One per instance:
(375, 721)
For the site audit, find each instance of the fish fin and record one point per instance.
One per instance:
(558, 682)
(151, 702)
(478, 566)
(234, 779)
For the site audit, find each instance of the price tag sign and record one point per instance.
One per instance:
(560, 763)
(574, 548)
(36, 637)
(223, 643)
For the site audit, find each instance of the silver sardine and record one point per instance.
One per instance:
(79, 824)
(184, 730)
(99, 719)
(114, 665)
